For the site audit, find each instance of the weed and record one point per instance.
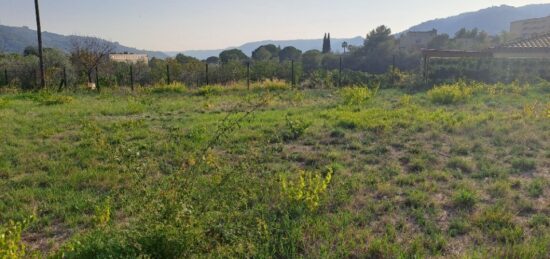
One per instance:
(295, 128)
(307, 189)
(536, 188)
(460, 164)
(522, 165)
(450, 94)
(465, 199)
(210, 90)
(174, 88)
(357, 95)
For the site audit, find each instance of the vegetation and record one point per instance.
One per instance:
(273, 171)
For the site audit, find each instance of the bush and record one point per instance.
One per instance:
(356, 95)
(274, 85)
(307, 189)
(11, 244)
(450, 94)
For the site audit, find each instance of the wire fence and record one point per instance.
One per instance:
(25, 75)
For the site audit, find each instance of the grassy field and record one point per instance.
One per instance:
(169, 172)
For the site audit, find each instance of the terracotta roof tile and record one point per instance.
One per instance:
(540, 41)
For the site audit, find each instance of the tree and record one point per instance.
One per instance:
(30, 50)
(213, 60)
(439, 42)
(88, 53)
(232, 55)
(312, 60)
(290, 53)
(326, 44)
(261, 54)
(376, 55)
(183, 59)
(380, 35)
(345, 46)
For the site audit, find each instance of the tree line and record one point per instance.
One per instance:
(88, 61)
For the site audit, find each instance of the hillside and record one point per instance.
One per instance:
(15, 39)
(493, 20)
(247, 48)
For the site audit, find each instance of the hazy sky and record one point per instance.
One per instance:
(208, 24)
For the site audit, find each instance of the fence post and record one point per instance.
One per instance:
(248, 75)
(293, 79)
(340, 73)
(132, 77)
(6, 76)
(97, 79)
(207, 81)
(65, 82)
(168, 80)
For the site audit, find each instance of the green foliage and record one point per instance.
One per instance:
(460, 164)
(536, 188)
(210, 90)
(49, 99)
(307, 189)
(357, 95)
(450, 94)
(11, 244)
(295, 128)
(499, 224)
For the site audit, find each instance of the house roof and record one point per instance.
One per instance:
(537, 42)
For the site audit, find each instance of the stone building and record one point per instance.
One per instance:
(129, 58)
(531, 27)
(416, 40)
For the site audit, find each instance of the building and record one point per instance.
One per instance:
(531, 27)
(416, 40)
(129, 58)
(537, 47)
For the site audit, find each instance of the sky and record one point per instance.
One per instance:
(177, 25)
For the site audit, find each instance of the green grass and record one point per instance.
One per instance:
(176, 172)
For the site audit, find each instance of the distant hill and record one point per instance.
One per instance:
(492, 20)
(247, 48)
(16, 39)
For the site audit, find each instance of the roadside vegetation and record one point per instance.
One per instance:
(172, 171)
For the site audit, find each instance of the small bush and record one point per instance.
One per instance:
(450, 94)
(307, 189)
(295, 128)
(356, 95)
(11, 244)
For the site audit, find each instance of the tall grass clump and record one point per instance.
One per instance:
(273, 85)
(210, 90)
(450, 94)
(357, 95)
(174, 88)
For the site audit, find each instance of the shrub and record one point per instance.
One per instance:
(307, 189)
(356, 95)
(450, 94)
(294, 129)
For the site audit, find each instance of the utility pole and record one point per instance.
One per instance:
(40, 54)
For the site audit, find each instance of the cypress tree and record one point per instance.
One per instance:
(325, 43)
(329, 48)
